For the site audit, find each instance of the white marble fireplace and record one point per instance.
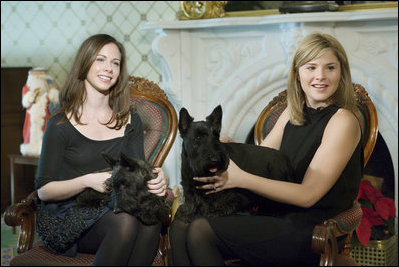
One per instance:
(242, 62)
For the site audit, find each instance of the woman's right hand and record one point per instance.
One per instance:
(97, 181)
(60, 190)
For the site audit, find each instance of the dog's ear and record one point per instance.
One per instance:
(127, 162)
(184, 121)
(111, 161)
(215, 118)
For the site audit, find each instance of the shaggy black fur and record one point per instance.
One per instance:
(129, 191)
(204, 155)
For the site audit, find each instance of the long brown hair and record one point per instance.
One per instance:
(314, 46)
(73, 94)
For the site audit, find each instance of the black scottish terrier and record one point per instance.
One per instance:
(129, 191)
(204, 155)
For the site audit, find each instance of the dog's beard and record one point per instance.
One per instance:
(129, 187)
(211, 168)
(123, 204)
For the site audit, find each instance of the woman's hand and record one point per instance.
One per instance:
(60, 190)
(225, 180)
(226, 139)
(158, 185)
(97, 181)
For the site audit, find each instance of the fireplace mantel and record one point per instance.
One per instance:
(242, 62)
(365, 15)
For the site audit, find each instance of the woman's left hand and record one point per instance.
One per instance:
(158, 185)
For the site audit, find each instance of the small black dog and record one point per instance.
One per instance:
(129, 191)
(204, 155)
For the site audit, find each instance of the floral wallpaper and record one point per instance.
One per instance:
(48, 33)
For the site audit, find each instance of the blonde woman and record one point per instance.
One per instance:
(320, 134)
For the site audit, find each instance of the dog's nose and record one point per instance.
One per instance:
(213, 158)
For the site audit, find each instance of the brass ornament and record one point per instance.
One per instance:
(201, 9)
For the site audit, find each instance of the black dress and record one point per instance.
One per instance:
(286, 238)
(67, 154)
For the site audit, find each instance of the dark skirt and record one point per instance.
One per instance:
(60, 225)
(266, 240)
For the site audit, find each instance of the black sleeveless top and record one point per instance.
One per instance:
(253, 239)
(300, 143)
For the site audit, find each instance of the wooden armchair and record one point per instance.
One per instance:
(324, 239)
(160, 128)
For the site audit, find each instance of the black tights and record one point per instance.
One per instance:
(121, 239)
(196, 244)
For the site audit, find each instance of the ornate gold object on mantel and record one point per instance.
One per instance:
(197, 9)
(201, 9)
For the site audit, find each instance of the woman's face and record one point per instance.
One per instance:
(104, 72)
(319, 79)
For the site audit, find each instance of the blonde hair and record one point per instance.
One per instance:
(312, 47)
(73, 94)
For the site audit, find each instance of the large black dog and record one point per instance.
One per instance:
(204, 155)
(129, 191)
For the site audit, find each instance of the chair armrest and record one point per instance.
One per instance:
(164, 241)
(324, 238)
(324, 242)
(169, 199)
(23, 214)
(176, 201)
(348, 220)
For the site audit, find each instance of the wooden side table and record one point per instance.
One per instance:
(23, 160)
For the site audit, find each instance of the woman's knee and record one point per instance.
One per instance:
(199, 230)
(177, 227)
(200, 224)
(124, 224)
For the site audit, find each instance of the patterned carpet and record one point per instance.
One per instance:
(8, 243)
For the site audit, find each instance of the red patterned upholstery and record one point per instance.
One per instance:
(154, 125)
(158, 116)
(272, 119)
(350, 219)
(344, 260)
(269, 116)
(39, 255)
